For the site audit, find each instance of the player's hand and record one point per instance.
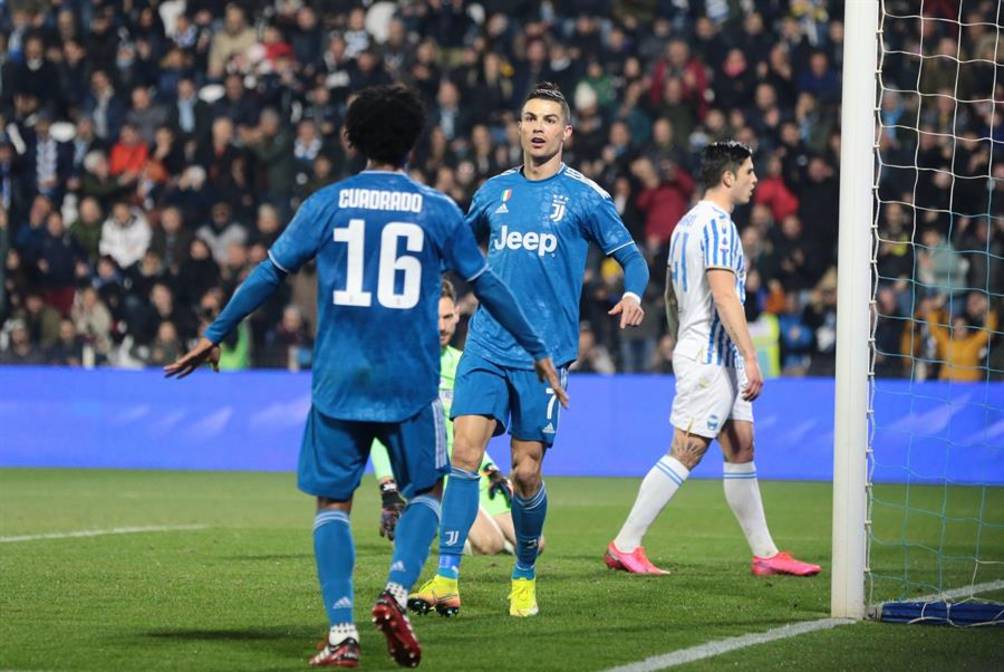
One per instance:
(754, 380)
(498, 484)
(630, 311)
(391, 506)
(204, 351)
(548, 374)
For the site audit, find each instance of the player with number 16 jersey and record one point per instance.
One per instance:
(381, 241)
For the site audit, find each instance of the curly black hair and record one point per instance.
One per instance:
(384, 122)
(549, 91)
(721, 157)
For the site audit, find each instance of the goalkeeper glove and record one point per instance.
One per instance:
(390, 508)
(498, 484)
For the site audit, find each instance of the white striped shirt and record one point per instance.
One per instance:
(705, 238)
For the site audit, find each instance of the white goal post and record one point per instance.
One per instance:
(852, 402)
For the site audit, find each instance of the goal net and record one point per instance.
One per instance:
(935, 467)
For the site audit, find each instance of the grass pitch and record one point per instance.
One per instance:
(241, 594)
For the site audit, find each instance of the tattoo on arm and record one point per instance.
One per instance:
(672, 307)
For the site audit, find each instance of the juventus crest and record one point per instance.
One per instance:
(558, 207)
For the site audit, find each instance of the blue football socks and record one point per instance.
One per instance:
(335, 555)
(460, 508)
(415, 531)
(528, 520)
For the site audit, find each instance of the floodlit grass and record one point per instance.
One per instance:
(241, 594)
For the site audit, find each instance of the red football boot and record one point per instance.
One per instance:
(390, 619)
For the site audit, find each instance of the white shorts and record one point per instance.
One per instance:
(706, 396)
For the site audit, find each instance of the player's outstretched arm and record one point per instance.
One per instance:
(204, 351)
(635, 280)
(723, 289)
(252, 293)
(498, 300)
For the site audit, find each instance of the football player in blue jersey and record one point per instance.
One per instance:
(540, 218)
(381, 240)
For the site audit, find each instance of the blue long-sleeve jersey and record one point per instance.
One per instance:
(539, 234)
(381, 241)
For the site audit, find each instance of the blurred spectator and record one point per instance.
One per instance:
(221, 231)
(593, 358)
(41, 320)
(234, 39)
(125, 235)
(821, 317)
(50, 161)
(663, 200)
(166, 347)
(774, 193)
(288, 346)
(92, 320)
(206, 122)
(940, 267)
(87, 228)
(59, 260)
(273, 147)
(104, 106)
(889, 326)
(171, 240)
(961, 347)
(20, 348)
(145, 116)
(68, 350)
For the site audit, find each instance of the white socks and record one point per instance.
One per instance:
(657, 488)
(342, 631)
(742, 492)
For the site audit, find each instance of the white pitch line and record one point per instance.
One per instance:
(711, 649)
(965, 591)
(101, 533)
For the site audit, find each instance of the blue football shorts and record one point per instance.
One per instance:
(334, 452)
(514, 397)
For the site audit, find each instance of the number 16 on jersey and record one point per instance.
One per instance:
(354, 236)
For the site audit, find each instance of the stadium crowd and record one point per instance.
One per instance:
(152, 151)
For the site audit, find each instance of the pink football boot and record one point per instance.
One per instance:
(783, 563)
(635, 562)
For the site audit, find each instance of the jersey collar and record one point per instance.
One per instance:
(560, 171)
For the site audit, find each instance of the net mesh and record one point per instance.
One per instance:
(936, 412)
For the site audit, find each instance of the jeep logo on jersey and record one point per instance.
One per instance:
(558, 208)
(531, 241)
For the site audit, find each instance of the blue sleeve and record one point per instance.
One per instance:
(302, 238)
(252, 293)
(635, 270)
(475, 219)
(719, 242)
(460, 250)
(498, 300)
(604, 225)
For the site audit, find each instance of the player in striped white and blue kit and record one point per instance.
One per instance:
(540, 219)
(381, 241)
(717, 373)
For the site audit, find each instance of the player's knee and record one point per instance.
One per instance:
(334, 505)
(467, 454)
(526, 476)
(741, 456)
(689, 450)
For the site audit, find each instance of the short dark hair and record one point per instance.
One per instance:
(384, 122)
(721, 157)
(549, 91)
(447, 291)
